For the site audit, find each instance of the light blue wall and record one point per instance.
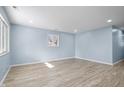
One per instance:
(95, 45)
(4, 60)
(118, 44)
(30, 44)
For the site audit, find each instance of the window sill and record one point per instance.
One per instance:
(3, 54)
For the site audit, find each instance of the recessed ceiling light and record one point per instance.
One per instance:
(75, 30)
(109, 21)
(14, 7)
(31, 21)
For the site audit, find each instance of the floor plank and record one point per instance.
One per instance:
(66, 73)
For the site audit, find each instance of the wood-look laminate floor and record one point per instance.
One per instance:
(66, 73)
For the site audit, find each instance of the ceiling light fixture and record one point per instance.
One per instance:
(31, 21)
(109, 21)
(75, 30)
(14, 7)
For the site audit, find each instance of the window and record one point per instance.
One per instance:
(4, 36)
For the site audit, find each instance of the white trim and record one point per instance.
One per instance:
(50, 60)
(4, 77)
(4, 53)
(121, 60)
(8, 37)
(41, 61)
(1, 16)
(96, 61)
(1, 37)
(30, 63)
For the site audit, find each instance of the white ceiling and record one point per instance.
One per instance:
(66, 18)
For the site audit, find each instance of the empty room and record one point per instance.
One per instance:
(61, 46)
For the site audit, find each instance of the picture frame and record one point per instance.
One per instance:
(53, 40)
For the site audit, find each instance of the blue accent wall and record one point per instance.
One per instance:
(30, 44)
(118, 44)
(5, 59)
(95, 45)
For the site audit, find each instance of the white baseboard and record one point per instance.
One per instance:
(22, 64)
(4, 77)
(59, 59)
(51, 60)
(121, 60)
(96, 61)
(42, 61)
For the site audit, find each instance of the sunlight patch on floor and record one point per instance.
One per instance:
(49, 65)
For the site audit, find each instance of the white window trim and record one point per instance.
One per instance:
(8, 41)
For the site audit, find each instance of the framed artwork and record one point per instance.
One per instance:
(53, 40)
